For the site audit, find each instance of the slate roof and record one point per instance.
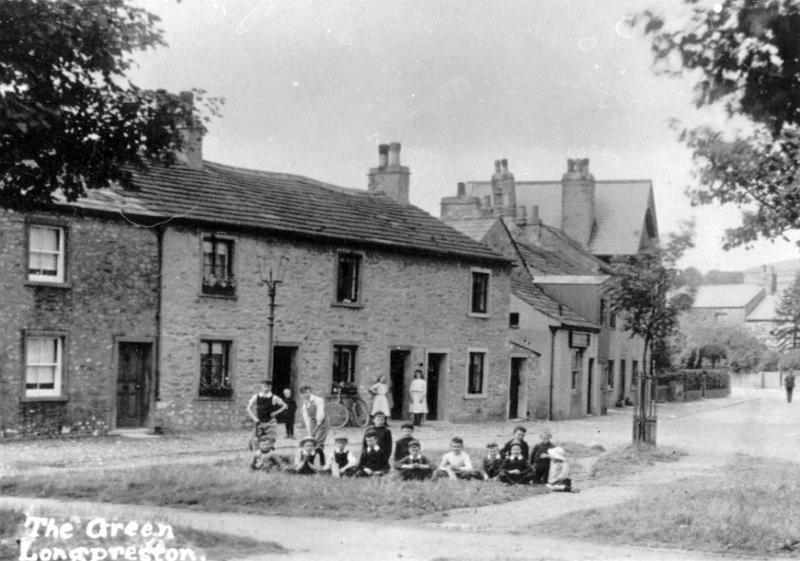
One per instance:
(725, 295)
(544, 262)
(290, 204)
(528, 292)
(765, 310)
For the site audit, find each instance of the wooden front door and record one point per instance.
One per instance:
(436, 377)
(134, 377)
(517, 364)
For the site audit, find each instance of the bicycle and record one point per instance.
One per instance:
(345, 406)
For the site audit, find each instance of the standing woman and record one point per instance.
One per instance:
(419, 395)
(379, 402)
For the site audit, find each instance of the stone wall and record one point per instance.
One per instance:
(408, 302)
(110, 292)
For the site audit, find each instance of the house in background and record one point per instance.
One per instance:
(563, 242)
(142, 306)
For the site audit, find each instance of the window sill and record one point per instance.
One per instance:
(218, 296)
(479, 315)
(37, 284)
(355, 305)
(27, 399)
(214, 398)
(475, 396)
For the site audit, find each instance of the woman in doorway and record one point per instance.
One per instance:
(378, 390)
(419, 395)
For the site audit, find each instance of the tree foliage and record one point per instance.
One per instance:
(747, 57)
(787, 312)
(70, 120)
(703, 342)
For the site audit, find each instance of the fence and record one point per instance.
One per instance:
(688, 385)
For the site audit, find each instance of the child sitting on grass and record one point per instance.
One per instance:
(374, 462)
(401, 446)
(308, 461)
(515, 469)
(492, 461)
(558, 480)
(383, 436)
(539, 458)
(414, 466)
(266, 459)
(456, 464)
(341, 462)
(518, 438)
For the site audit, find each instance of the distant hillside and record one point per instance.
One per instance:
(785, 272)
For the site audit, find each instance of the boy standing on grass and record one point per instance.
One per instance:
(264, 408)
(266, 459)
(518, 438)
(456, 464)
(401, 446)
(374, 462)
(539, 458)
(415, 466)
(559, 471)
(313, 411)
(342, 462)
(308, 461)
(383, 436)
(289, 414)
(492, 461)
(515, 469)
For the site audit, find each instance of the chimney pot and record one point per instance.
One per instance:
(462, 189)
(521, 218)
(535, 214)
(394, 154)
(504, 165)
(383, 155)
(497, 165)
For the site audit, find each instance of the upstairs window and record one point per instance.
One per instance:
(215, 374)
(218, 277)
(513, 320)
(44, 370)
(347, 278)
(344, 364)
(475, 374)
(46, 254)
(479, 303)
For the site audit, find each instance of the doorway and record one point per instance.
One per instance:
(514, 388)
(284, 368)
(621, 389)
(437, 377)
(398, 368)
(134, 378)
(589, 376)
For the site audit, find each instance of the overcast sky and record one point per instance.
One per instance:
(313, 86)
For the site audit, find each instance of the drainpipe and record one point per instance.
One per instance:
(552, 371)
(154, 391)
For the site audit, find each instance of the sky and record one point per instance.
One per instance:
(313, 86)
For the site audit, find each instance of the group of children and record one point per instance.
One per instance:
(512, 464)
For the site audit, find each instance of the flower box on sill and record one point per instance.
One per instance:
(219, 286)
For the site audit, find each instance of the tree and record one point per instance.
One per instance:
(70, 120)
(787, 312)
(747, 57)
(644, 291)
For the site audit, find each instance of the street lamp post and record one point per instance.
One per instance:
(271, 279)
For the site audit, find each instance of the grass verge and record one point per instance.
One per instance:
(748, 507)
(232, 487)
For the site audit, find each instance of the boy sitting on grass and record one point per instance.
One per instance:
(558, 479)
(515, 469)
(414, 466)
(492, 461)
(266, 459)
(401, 446)
(539, 458)
(456, 464)
(383, 436)
(518, 438)
(374, 462)
(308, 461)
(342, 462)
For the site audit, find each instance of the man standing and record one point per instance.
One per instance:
(313, 410)
(263, 408)
(788, 381)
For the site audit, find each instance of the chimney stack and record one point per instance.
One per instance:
(390, 177)
(535, 215)
(770, 280)
(462, 190)
(577, 202)
(504, 189)
(521, 219)
(191, 153)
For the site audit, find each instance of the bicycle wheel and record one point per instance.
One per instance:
(359, 414)
(336, 413)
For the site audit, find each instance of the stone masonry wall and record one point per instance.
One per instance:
(110, 292)
(412, 302)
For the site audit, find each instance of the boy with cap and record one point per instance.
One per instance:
(456, 464)
(518, 438)
(374, 461)
(515, 469)
(558, 480)
(383, 436)
(308, 461)
(401, 446)
(539, 458)
(414, 466)
(342, 462)
(266, 459)
(492, 462)
(264, 408)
